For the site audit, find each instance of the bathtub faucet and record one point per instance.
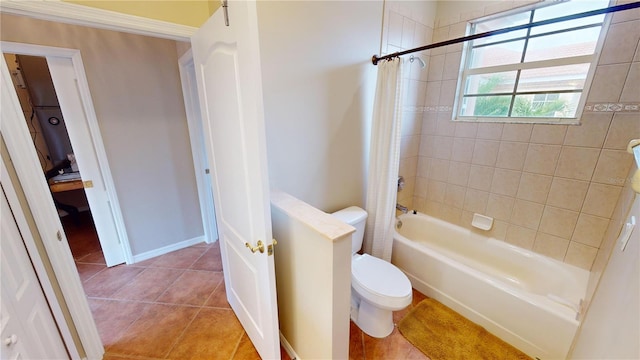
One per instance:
(404, 209)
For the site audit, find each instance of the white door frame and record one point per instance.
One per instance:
(20, 146)
(198, 149)
(91, 124)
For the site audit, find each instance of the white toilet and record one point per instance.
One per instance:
(377, 287)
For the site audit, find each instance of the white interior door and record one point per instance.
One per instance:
(227, 65)
(28, 330)
(64, 79)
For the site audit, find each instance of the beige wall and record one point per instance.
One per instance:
(135, 86)
(318, 85)
(184, 12)
(550, 188)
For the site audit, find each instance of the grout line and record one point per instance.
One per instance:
(179, 337)
(235, 350)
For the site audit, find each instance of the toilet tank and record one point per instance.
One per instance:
(357, 218)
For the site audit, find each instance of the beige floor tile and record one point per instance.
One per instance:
(180, 259)
(191, 288)
(149, 285)
(155, 332)
(110, 280)
(213, 334)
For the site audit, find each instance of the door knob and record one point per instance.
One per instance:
(10, 340)
(259, 247)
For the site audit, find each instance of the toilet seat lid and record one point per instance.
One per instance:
(379, 277)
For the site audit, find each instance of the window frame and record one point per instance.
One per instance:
(465, 71)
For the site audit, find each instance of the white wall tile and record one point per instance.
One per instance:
(476, 201)
(442, 147)
(631, 90)
(601, 200)
(480, 177)
(577, 162)
(436, 190)
(429, 123)
(621, 42)
(591, 131)
(462, 149)
(520, 236)
(613, 167)
(452, 66)
(454, 195)
(436, 67)
(558, 222)
(396, 23)
(466, 130)
(580, 255)
(432, 97)
(500, 207)
(458, 173)
(517, 132)
(439, 170)
(624, 127)
(608, 82)
(552, 246)
(408, 29)
(542, 159)
(548, 134)
(485, 152)
(567, 194)
(511, 155)
(505, 182)
(445, 126)
(590, 230)
(490, 131)
(527, 214)
(447, 92)
(534, 187)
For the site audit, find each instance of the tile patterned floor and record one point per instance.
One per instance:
(174, 307)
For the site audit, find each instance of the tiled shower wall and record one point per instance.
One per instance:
(550, 188)
(405, 28)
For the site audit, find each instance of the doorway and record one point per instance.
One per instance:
(47, 127)
(58, 116)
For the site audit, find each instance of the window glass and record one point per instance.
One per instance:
(491, 83)
(538, 73)
(564, 44)
(499, 54)
(568, 77)
(486, 106)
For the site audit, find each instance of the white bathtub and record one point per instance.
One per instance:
(526, 299)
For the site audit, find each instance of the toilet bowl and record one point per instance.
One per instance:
(377, 287)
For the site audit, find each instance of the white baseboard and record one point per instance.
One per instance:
(287, 347)
(167, 249)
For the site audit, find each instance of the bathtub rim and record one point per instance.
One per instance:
(544, 302)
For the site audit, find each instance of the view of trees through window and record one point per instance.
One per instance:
(538, 73)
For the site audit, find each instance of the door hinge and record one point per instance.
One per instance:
(271, 246)
(59, 235)
(206, 171)
(226, 12)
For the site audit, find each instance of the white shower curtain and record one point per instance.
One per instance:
(384, 160)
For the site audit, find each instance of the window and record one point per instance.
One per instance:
(539, 74)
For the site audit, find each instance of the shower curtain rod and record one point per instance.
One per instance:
(606, 10)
